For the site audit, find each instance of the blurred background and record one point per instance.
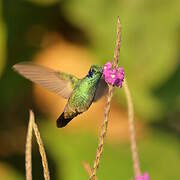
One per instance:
(70, 35)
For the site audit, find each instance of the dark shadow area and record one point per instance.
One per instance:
(168, 94)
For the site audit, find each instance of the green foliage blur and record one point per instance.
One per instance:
(151, 59)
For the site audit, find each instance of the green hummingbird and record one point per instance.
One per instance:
(81, 93)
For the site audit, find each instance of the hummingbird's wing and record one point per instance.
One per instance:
(102, 89)
(58, 82)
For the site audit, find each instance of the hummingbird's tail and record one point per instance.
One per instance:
(62, 121)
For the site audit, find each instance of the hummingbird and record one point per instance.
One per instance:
(81, 93)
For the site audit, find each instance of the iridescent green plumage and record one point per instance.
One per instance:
(82, 96)
(79, 92)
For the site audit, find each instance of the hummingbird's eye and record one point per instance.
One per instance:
(91, 72)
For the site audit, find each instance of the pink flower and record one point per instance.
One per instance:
(114, 76)
(108, 65)
(143, 177)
